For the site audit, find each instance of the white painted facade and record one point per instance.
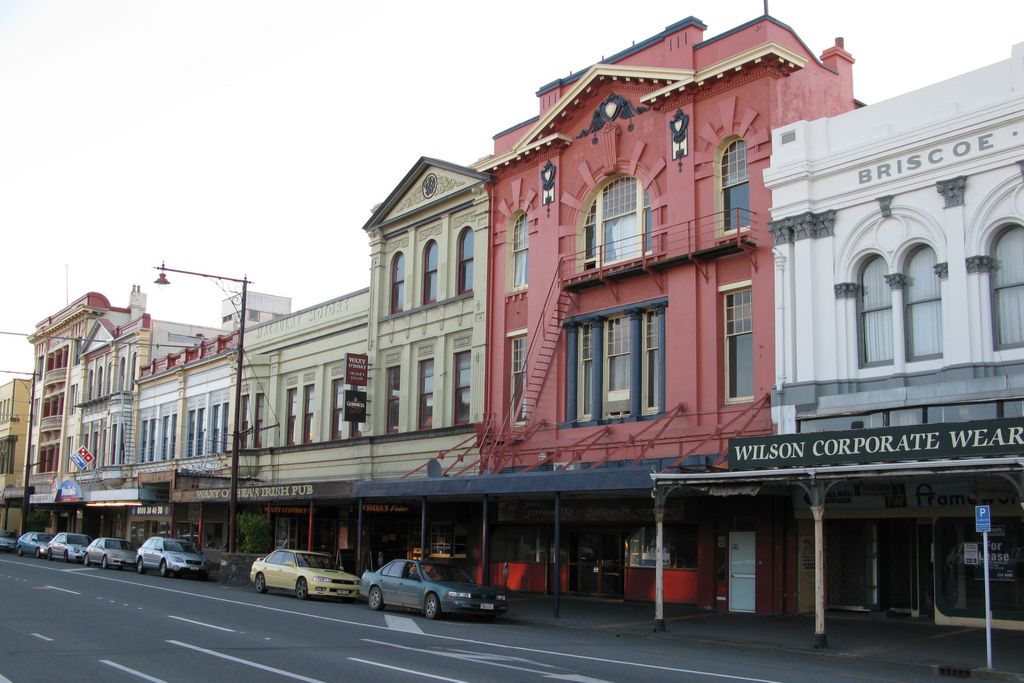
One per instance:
(892, 227)
(828, 179)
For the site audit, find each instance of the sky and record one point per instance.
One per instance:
(252, 138)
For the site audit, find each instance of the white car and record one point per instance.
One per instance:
(8, 540)
(68, 547)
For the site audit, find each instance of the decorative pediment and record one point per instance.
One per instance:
(429, 182)
(100, 334)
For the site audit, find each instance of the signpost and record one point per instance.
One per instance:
(983, 525)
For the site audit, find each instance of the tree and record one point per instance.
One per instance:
(254, 533)
(37, 520)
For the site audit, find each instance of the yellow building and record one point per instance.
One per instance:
(14, 411)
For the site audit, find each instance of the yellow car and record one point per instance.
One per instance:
(307, 574)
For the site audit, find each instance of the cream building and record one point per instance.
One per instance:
(14, 413)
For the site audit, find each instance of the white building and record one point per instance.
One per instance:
(899, 233)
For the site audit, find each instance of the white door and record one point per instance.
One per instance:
(741, 571)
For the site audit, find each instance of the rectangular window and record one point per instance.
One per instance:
(426, 403)
(308, 402)
(338, 409)
(586, 371)
(115, 444)
(201, 431)
(243, 433)
(651, 369)
(190, 437)
(394, 397)
(224, 430)
(292, 403)
(216, 429)
(165, 439)
(739, 347)
(144, 455)
(257, 419)
(618, 373)
(518, 377)
(463, 377)
(173, 453)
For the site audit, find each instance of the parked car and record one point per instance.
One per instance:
(171, 557)
(307, 574)
(435, 588)
(70, 547)
(33, 543)
(110, 552)
(8, 540)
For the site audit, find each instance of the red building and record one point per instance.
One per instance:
(631, 313)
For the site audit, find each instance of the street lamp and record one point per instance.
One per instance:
(233, 499)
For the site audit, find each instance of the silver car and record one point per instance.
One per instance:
(8, 540)
(67, 546)
(110, 552)
(171, 557)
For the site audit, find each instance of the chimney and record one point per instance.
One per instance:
(137, 302)
(841, 61)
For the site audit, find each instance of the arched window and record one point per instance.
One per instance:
(397, 283)
(465, 273)
(99, 382)
(89, 386)
(120, 375)
(618, 222)
(1008, 287)
(132, 369)
(922, 298)
(735, 186)
(110, 377)
(875, 314)
(430, 273)
(520, 251)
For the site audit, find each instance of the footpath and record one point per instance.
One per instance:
(953, 651)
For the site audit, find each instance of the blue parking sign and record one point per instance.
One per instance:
(982, 518)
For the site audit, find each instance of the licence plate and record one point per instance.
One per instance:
(486, 605)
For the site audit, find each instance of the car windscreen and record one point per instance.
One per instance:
(6, 534)
(78, 539)
(43, 538)
(179, 547)
(446, 572)
(118, 544)
(313, 561)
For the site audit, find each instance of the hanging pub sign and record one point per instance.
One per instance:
(355, 405)
(356, 365)
(889, 444)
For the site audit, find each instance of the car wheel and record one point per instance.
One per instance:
(431, 606)
(103, 562)
(66, 558)
(20, 551)
(49, 555)
(301, 589)
(261, 583)
(140, 566)
(376, 599)
(85, 560)
(164, 571)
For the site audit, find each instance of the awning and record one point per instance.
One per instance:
(564, 481)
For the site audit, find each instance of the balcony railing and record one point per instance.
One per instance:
(50, 423)
(55, 376)
(697, 239)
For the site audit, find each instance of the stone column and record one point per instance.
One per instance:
(636, 365)
(896, 282)
(597, 381)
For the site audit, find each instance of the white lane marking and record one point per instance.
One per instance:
(406, 671)
(486, 659)
(133, 672)
(639, 665)
(246, 662)
(469, 641)
(199, 623)
(62, 590)
(404, 624)
(40, 636)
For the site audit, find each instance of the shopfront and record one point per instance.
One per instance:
(309, 516)
(885, 517)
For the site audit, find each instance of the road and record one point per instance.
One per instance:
(72, 623)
